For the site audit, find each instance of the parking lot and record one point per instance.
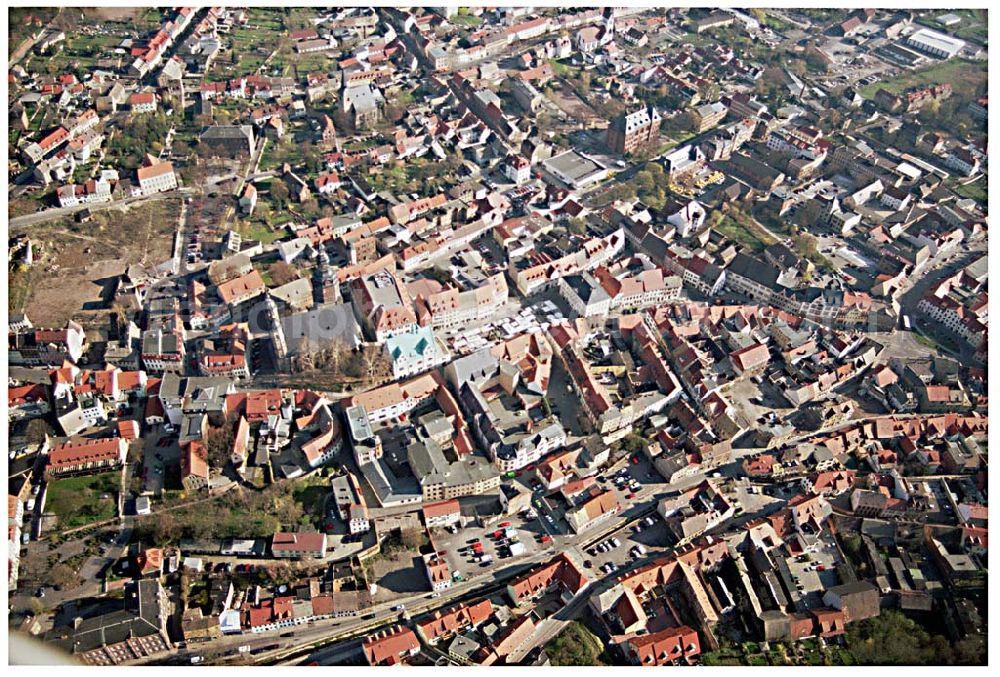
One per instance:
(159, 453)
(816, 570)
(644, 540)
(458, 548)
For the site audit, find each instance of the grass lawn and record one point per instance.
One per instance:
(977, 190)
(78, 500)
(262, 232)
(575, 645)
(465, 20)
(776, 23)
(564, 70)
(311, 495)
(725, 656)
(968, 78)
(19, 290)
(751, 238)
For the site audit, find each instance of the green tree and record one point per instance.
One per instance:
(282, 273)
(709, 91)
(413, 538)
(577, 226)
(970, 651)
(893, 639)
(37, 431)
(279, 191)
(219, 443)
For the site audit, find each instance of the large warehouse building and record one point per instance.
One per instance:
(936, 44)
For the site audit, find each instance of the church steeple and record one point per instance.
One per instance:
(326, 288)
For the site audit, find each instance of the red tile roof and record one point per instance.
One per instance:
(458, 618)
(666, 646)
(751, 357)
(237, 288)
(33, 392)
(82, 450)
(560, 570)
(141, 97)
(442, 508)
(159, 169)
(128, 430)
(386, 649)
(312, 541)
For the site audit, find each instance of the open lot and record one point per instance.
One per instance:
(248, 47)
(967, 77)
(76, 263)
(161, 452)
(76, 501)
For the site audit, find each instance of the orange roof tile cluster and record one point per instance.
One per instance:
(441, 508)
(665, 647)
(237, 289)
(560, 570)
(387, 648)
(153, 171)
(458, 618)
(194, 459)
(83, 450)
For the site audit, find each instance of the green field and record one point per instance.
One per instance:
(262, 233)
(575, 645)
(78, 500)
(754, 239)
(248, 46)
(975, 190)
(968, 78)
(469, 20)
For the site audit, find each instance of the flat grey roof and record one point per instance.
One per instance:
(573, 165)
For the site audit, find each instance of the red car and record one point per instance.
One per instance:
(498, 533)
(632, 495)
(635, 460)
(546, 538)
(821, 567)
(505, 524)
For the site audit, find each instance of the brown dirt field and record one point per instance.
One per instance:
(570, 104)
(77, 261)
(112, 13)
